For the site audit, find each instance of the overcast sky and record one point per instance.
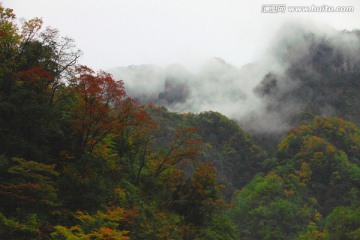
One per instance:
(131, 32)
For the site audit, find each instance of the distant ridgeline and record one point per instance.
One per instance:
(312, 73)
(305, 73)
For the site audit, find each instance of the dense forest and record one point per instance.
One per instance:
(81, 159)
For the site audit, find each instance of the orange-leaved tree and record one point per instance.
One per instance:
(101, 108)
(102, 225)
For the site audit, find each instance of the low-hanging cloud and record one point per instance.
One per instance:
(263, 95)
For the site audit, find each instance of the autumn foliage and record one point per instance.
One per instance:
(80, 159)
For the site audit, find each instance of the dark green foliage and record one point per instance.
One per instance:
(272, 207)
(231, 150)
(312, 177)
(344, 223)
(81, 160)
(28, 198)
(330, 147)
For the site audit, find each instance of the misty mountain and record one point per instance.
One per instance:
(217, 86)
(321, 78)
(306, 71)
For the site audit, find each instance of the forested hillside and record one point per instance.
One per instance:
(81, 159)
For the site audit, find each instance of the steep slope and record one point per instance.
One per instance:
(321, 77)
(237, 158)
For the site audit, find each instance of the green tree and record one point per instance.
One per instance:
(344, 223)
(28, 198)
(330, 148)
(273, 207)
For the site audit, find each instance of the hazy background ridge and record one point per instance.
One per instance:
(258, 94)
